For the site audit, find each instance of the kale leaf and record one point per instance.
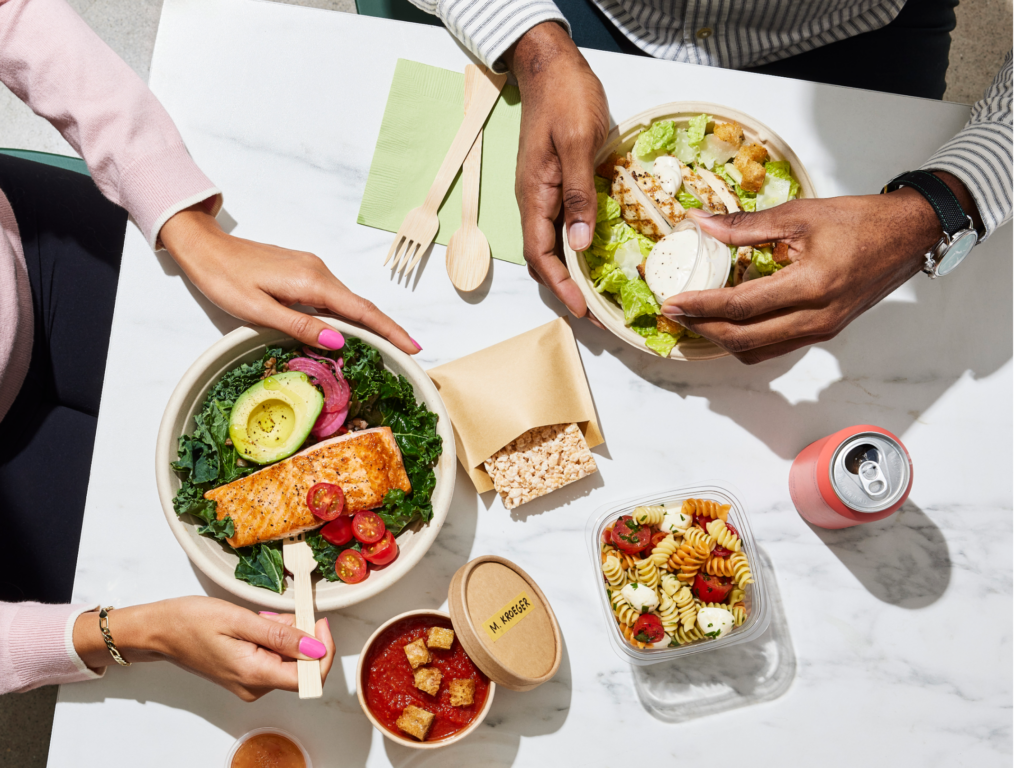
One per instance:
(262, 566)
(326, 553)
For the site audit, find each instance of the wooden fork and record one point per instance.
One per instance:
(298, 558)
(420, 225)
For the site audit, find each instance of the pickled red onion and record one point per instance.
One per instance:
(336, 395)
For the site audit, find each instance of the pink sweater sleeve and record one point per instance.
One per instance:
(36, 646)
(53, 61)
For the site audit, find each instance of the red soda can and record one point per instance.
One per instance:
(857, 475)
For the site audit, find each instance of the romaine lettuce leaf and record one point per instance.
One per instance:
(601, 184)
(780, 169)
(609, 278)
(628, 257)
(696, 129)
(661, 136)
(764, 262)
(663, 343)
(637, 300)
(607, 208)
(687, 200)
(774, 191)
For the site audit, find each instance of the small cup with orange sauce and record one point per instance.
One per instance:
(427, 693)
(267, 748)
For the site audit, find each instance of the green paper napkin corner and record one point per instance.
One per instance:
(422, 116)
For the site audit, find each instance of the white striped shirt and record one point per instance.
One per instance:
(748, 33)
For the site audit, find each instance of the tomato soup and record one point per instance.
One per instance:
(268, 750)
(388, 679)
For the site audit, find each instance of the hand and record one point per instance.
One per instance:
(564, 124)
(848, 253)
(259, 283)
(246, 653)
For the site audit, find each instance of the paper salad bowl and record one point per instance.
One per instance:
(216, 559)
(622, 137)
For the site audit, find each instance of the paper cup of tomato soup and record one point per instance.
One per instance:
(267, 748)
(426, 679)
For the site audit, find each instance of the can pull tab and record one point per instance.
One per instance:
(872, 479)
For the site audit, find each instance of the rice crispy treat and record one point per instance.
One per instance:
(538, 462)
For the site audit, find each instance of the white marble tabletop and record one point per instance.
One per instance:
(893, 644)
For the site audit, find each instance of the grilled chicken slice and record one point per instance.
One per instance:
(700, 189)
(744, 258)
(670, 208)
(637, 209)
(721, 188)
(271, 504)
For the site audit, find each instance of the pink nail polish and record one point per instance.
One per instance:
(312, 648)
(416, 343)
(267, 613)
(330, 339)
(579, 236)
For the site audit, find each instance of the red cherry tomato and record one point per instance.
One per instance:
(383, 552)
(655, 538)
(630, 537)
(711, 589)
(350, 567)
(721, 552)
(734, 531)
(368, 527)
(702, 522)
(648, 628)
(606, 536)
(338, 532)
(326, 501)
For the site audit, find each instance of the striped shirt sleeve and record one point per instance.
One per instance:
(981, 155)
(488, 29)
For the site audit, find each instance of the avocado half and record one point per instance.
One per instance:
(272, 418)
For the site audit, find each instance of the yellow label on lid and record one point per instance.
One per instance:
(508, 616)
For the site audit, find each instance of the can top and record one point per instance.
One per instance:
(505, 623)
(870, 471)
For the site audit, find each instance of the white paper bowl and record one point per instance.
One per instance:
(217, 560)
(621, 138)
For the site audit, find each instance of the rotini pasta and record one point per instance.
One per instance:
(724, 537)
(658, 600)
(741, 575)
(613, 572)
(652, 515)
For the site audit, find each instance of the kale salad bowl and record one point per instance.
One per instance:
(389, 399)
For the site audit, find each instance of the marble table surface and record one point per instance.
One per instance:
(892, 642)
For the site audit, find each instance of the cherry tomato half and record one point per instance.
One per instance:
(655, 538)
(702, 522)
(630, 537)
(606, 536)
(350, 567)
(734, 531)
(648, 628)
(721, 552)
(368, 527)
(326, 501)
(383, 552)
(338, 532)
(711, 589)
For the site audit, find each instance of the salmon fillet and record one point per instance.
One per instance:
(271, 504)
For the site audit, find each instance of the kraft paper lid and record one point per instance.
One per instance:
(505, 623)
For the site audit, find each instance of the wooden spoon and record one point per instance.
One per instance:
(298, 558)
(469, 255)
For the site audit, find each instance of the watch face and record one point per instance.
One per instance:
(954, 253)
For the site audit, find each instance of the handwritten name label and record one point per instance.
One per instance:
(508, 617)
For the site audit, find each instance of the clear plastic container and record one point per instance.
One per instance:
(756, 600)
(256, 732)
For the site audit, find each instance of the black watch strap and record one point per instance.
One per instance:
(947, 207)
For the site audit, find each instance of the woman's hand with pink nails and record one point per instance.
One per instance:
(249, 654)
(260, 283)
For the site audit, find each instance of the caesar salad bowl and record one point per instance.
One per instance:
(620, 140)
(216, 559)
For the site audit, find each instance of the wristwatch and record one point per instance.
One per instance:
(958, 233)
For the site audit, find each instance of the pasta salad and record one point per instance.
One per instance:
(675, 574)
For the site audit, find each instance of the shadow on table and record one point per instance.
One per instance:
(896, 360)
(513, 715)
(902, 560)
(754, 672)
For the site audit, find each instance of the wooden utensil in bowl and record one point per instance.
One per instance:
(469, 255)
(298, 558)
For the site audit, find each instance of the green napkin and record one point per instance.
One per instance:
(422, 116)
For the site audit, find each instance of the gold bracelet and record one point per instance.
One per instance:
(105, 629)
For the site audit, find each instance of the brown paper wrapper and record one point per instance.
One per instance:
(493, 396)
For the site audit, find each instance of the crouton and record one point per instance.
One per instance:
(428, 680)
(641, 269)
(780, 253)
(439, 637)
(417, 653)
(462, 692)
(416, 722)
(749, 161)
(665, 325)
(607, 168)
(730, 133)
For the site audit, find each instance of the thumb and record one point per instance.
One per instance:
(745, 228)
(278, 636)
(305, 328)
(579, 196)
